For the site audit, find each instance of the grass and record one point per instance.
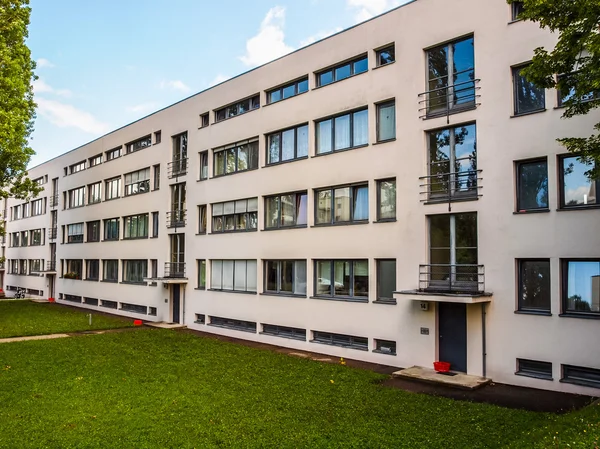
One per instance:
(162, 388)
(23, 318)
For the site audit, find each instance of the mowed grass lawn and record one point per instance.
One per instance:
(23, 318)
(167, 389)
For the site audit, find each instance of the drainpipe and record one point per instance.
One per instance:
(483, 354)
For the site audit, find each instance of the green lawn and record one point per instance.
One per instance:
(162, 388)
(20, 318)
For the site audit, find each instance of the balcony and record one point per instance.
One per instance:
(174, 270)
(1, 266)
(50, 266)
(52, 233)
(177, 168)
(450, 97)
(54, 200)
(176, 218)
(448, 187)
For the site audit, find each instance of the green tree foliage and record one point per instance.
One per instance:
(17, 108)
(576, 57)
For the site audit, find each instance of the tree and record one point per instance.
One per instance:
(17, 108)
(572, 67)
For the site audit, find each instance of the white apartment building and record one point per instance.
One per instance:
(393, 193)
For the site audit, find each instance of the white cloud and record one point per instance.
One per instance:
(40, 86)
(67, 116)
(218, 79)
(142, 107)
(318, 36)
(43, 62)
(175, 85)
(578, 194)
(269, 43)
(370, 8)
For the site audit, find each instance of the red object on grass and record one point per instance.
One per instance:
(441, 367)
(51, 300)
(137, 322)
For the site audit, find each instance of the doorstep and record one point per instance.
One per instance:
(451, 379)
(163, 325)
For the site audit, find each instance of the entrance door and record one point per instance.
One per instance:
(51, 285)
(453, 335)
(176, 302)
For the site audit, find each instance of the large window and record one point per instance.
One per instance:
(201, 263)
(35, 265)
(532, 185)
(111, 229)
(74, 269)
(75, 233)
(139, 144)
(343, 132)
(528, 97)
(92, 269)
(154, 224)
(113, 188)
(235, 158)
(453, 162)
(135, 227)
(287, 145)
(37, 207)
(79, 166)
(534, 285)
(235, 109)
(289, 90)
(451, 77)
(386, 121)
(76, 197)
(386, 280)
(581, 287)
(202, 219)
(93, 231)
(95, 193)
(287, 210)
(110, 270)
(95, 160)
(347, 204)
(203, 165)
(137, 182)
(232, 216)
(343, 71)
(285, 277)
(344, 279)
(135, 271)
(36, 237)
(570, 97)
(233, 275)
(386, 200)
(577, 189)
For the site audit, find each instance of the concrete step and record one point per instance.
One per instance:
(451, 379)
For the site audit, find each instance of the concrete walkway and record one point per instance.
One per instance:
(33, 337)
(163, 325)
(452, 379)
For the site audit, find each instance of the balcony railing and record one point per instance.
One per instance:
(176, 218)
(51, 265)
(52, 233)
(174, 270)
(54, 200)
(177, 168)
(442, 278)
(1, 265)
(443, 187)
(450, 99)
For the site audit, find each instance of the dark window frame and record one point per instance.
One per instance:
(564, 282)
(279, 211)
(385, 48)
(342, 340)
(134, 266)
(223, 216)
(378, 186)
(279, 291)
(203, 164)
(203, 219)
(560, 99)
(113, 154)
(516, 73)
(534, 310)
(378, 297)
(378, 107)
(95, 160)
(231, 323)
(295, 83)
(276, 330)
(578, 380)
(89, 266)
(280, 153)
(113, 270)
(332, 118)
(561, 186)
(90, 235)
(332, 190)
(250, 143)
(204, 120)
(380, 344)
(534, 368)
(106, 228)
(199, 264)
(518, 165)
(515, 9)
(129, 227)
(253, 105)
(352, 281)
(349, 62)
(138, 144)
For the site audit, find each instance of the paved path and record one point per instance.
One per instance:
(33, 337)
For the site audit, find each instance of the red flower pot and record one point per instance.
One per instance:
(441, 367)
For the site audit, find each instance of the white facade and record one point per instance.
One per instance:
(499, 328)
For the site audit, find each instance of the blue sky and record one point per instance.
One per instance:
(107, 63)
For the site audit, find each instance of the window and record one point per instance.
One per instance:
(26, 210)
(516, 9)
(75, 233)
(73, 269)
(17, 214)
(345, 341)
(108, 304)
(201, 274)
(93, 231)
(77, 197)
(385, 55)
(240, 215)
(385, 347)
(287, 91)
(110, 270)
(285, 277)
(534, 285)
(386, 200)
(342, 278)
(24, 238)
(157, 137)
(22, 266)
(113, 188)
(239, 325)
(157, 177)
(37, 207)
(95, 160)
(90, 301)
(284, 332)
(287, 145)
(16, 239)
(343, 71)
(135, 227)
(113, 154)
(79, 166)
(202, 219)
(138, 145)
(581, 287)
(233, 275)
(386, 121)
(137, 182)
(577, 190)
(235, 158)
(154, 224)
(532, 185)
(528, 97)
(111, 229)
(135, 271)
(286, 210)
(36, 237)
(386, 280)
(92, 269)
(200, 318)
(203, 165)
(579, 375)
(451, 77)
(239, 108)
(35, 266)
(453, 163)
(534, 368)
(95, 193)
(154, 270)
(343, 132)
(180, 145)
(204, 120)
(568, 97)
(349, 204)
(39, 181)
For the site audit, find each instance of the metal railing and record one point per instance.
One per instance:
(174, 270)
(177, 168)
(450, 99)
(444, 278)
(443, 187)
(51, 265)
(52, 233)
(1, 265)
(54, 200)
(176, 218)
